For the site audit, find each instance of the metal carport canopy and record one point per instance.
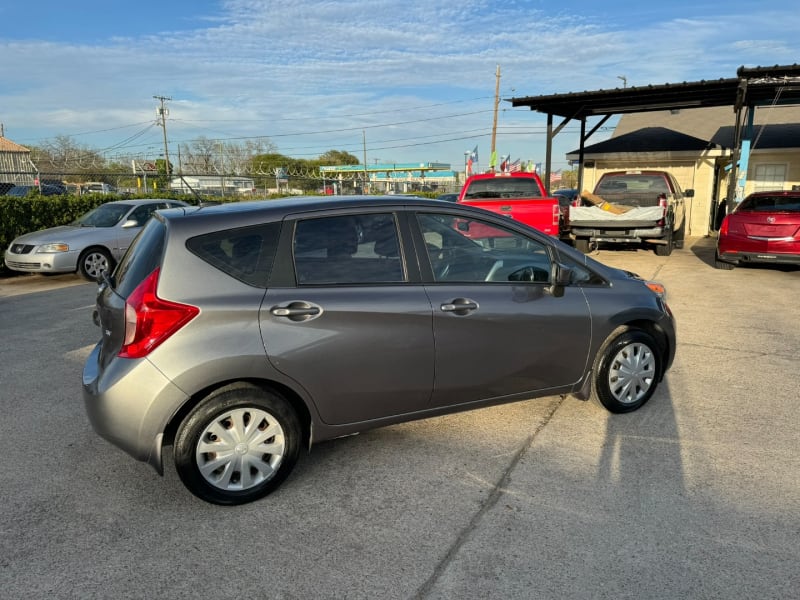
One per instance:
(753, 86)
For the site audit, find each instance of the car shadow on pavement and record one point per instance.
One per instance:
(641, 451)
(705, 249)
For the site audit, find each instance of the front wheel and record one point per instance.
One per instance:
(94, 262)
(237, 445)
(627, 371)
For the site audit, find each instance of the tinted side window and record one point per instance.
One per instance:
(246, 253)
(352, 249)
(470, 250)
(141, 259)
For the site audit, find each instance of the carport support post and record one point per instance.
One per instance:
(744, 159)
(549, 152)
(579, 183)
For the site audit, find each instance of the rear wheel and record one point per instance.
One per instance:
(666, 249)
(721, 264)
(680, 235)
(93, 262)
(237, 445)
(627, 371)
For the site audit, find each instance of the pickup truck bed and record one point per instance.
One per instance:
(631, 207)
(594, 216)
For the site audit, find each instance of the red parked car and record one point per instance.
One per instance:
(764, 228)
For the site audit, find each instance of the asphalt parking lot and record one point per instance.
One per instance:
(696, 495)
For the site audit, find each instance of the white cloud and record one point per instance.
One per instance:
(283, 68)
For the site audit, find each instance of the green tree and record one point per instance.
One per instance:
(338, 158)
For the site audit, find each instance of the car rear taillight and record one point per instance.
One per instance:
(723, 229)
(662, 203)
(556, 215)
(149, 320)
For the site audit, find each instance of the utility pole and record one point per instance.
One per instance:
(162, 113)
(496, 104)
(366, 172)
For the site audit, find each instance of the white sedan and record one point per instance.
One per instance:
(90, 245)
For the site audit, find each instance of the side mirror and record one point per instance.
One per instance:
(560, 276)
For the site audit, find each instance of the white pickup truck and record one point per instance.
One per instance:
(632, 207)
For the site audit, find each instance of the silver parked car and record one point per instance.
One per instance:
(242, 333)
(91, 245)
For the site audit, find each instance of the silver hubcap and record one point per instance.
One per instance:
(632, 372)
(240, 449)
(95, 264)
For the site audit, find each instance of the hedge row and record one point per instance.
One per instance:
(35, 212)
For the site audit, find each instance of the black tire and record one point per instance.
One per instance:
(721, 264)
(582, 245)
(237, 426)
(680, 235)
(93, 262)
(666, 249)
(627, 371)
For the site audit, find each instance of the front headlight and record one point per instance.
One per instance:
(52, 248)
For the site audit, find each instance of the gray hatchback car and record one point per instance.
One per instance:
(242, 333)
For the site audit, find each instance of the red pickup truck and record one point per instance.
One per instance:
(520, 196)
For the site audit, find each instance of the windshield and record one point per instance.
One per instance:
(106, 215)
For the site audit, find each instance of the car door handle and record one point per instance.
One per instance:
(297, 311)
(460, 306)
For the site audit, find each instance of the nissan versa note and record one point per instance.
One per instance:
(240, 333)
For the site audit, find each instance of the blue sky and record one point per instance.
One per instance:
(416, 80)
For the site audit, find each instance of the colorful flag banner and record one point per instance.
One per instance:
(472, 161)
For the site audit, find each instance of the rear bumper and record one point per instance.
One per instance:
(630, 233)
(748, 250)
(760, 257)
(129, 404)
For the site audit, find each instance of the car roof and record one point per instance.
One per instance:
(138, 201)
(789, 193)
(526, 174)
(235, 213)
